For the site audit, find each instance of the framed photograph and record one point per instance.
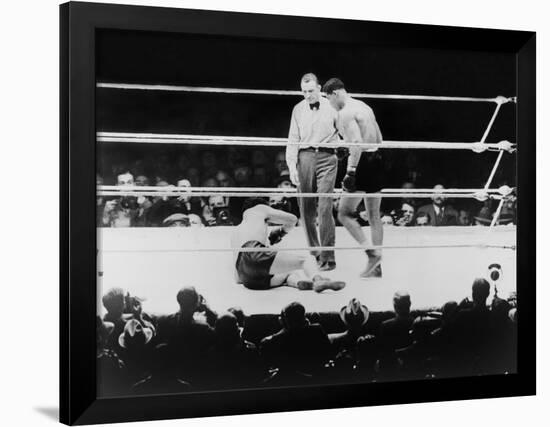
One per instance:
(267, 213)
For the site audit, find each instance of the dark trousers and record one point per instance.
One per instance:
(317, 174)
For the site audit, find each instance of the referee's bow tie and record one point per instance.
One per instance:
(314, 106)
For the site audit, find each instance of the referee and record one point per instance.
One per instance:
(313, 169)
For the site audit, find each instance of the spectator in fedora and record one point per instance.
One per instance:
(484, 216)
(354, 316)
(176, 220)
(135, 349)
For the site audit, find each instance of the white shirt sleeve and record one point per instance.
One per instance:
(293, 137)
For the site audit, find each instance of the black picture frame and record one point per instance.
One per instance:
(78, 25)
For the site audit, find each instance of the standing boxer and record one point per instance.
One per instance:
(357, 124)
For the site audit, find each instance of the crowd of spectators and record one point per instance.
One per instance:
(197, 349)
(234, 167)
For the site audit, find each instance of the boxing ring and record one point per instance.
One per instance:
(434, 264)
(154, 263)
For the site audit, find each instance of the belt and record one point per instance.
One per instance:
(319, 150)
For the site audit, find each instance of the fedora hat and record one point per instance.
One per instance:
(354, 313)
(134, 334)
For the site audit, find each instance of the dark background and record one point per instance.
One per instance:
(176, 59)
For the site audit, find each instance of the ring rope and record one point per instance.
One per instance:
(322, 248)
(494, 170)
(491, 122)
(481, 197)
(113, 190)
(496, 216)
(477, 147)
(504, 190)
(176, 88)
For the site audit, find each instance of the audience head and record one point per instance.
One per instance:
(142, 181)
(500, 309)
(194, 176)
(113, 301)
(239, 314)
(259, 158)
(259, 176)
(125, 179)
(188, 299)
(293, 316)
(103, 331)
(480, 291)
(280, 162)
(183, 162)
(438, 198)
(241, 174)
(195, 221)
(227, 328)
(208, 160)
(464, 217)
(387, 220)
(224, 179)
(449, 311)
(185, 183)
(210, 182)
(407, 185)
(402, 303)
(407, 212)
(283, 181)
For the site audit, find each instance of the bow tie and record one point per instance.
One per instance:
(314, 106)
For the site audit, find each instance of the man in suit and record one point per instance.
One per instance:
(313, 168)
(299, 347)
(438, 213)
